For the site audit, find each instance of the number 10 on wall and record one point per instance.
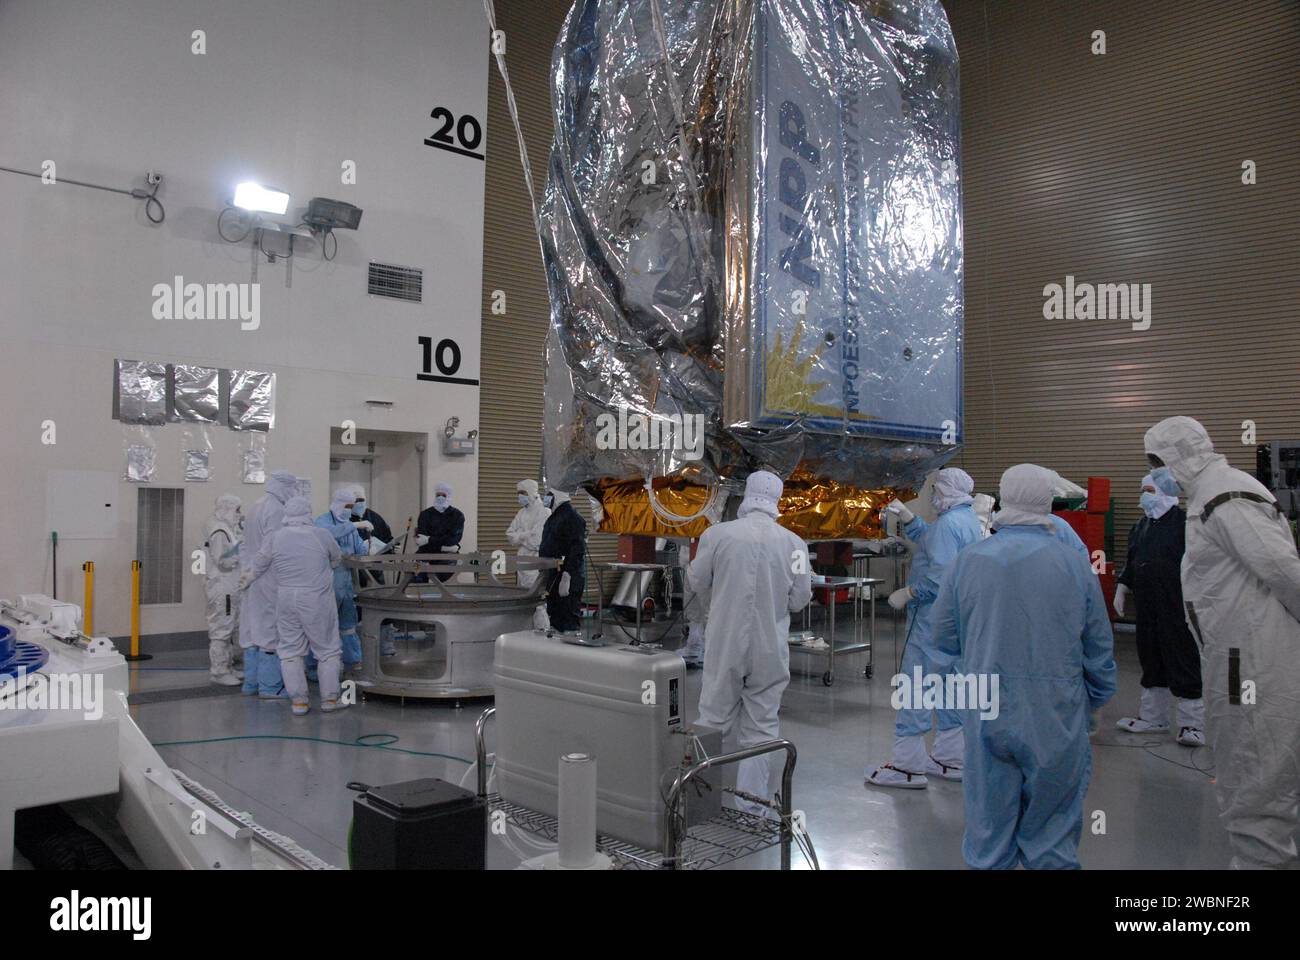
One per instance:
(446, 357)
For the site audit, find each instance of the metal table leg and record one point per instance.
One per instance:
(871, 634)
(637, 641)
(829, 677)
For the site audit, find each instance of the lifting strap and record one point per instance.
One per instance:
(1236, 495)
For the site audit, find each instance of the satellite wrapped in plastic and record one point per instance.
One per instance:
(753, 240)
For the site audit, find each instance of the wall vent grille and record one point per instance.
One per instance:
(394, 282)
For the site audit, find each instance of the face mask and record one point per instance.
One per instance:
(359, 508)
(549, 501)
(440, 504)
(523, 499)
(1149, 501)
(342, 513)
(1165, 482)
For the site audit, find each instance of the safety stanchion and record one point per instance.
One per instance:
(135, 653)
(88, 568)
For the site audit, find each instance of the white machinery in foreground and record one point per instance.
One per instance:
(66, 734)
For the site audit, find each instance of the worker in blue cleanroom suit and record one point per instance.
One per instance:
(1170, 658)
(1241, 590)
(937, 544)
(348, 537)
(257, 604)
(750, 574)
(564, 537)
(374, 531)
(301, 557)
(1024, 607)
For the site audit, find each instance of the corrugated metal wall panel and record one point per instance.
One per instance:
(1126, 168)
(510, 405)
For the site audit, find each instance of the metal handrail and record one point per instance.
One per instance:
(673, 838)
(480, 750)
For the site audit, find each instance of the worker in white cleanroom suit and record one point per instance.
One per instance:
(983, 505)
(222, 534)
(694, 612)
(257, 605)
(525, 530)
(302, 557)
(1241, 591)
(753, 574)
(525, 535)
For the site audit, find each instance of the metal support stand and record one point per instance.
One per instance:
(723, 839)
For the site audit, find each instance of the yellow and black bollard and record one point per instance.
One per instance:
(89, 606)
(135, 653)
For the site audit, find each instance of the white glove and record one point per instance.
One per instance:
(564, 585)
(421, 540)
(245, 579)
(377, 546)
(898, 599)
(454, 548)
(365, 526)
(904, 514)
(1121, 595)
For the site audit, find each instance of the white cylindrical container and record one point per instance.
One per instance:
(577, 811)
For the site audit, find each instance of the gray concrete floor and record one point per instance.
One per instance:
(1156, 797)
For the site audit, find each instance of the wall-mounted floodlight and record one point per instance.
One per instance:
(260, 199)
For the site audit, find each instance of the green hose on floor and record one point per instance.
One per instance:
(392, 738)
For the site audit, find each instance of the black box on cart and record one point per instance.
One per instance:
(426, 824)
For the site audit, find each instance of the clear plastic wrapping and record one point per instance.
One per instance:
(196, 453)
(253, 458)
(140, 452)
(753, 220)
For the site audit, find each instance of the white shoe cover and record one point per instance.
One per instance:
(945, 771)
(887, 775)
(1191, 737)
(1138, 725)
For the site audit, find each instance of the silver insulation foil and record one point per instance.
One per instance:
(141, 392)
(752, 221)
(195, 394)
(252, 400)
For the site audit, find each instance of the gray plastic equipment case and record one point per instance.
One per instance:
(624, 705)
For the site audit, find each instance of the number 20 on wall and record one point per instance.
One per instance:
(461, 136)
